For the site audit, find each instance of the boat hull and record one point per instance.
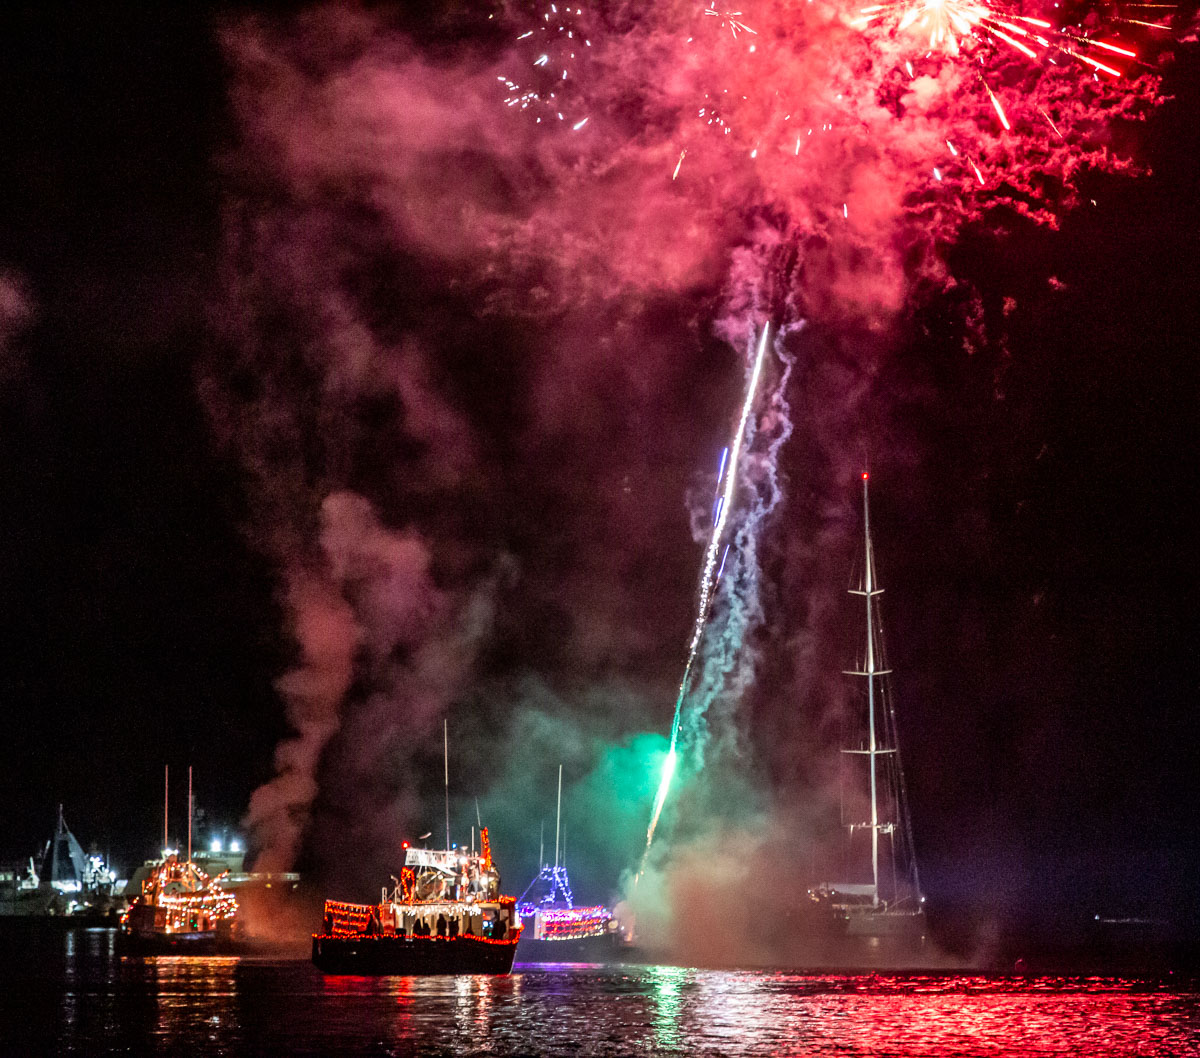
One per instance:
(205, 943)
(603, 948)
(221, 940)
(862, 939)
(412, 956)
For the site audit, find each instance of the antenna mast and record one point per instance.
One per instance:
(189, 813)
(558, 817)
(446, 772)
(166, 805)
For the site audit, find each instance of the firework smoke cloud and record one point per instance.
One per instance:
(420, 235)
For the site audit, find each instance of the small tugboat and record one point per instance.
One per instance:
(179, 908)
(555, 929)
(445, 915)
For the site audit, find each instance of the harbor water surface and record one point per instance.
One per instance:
(70, 993)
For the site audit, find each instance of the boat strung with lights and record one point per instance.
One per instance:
(180, 908)
(444, 915)
(879, 906)
(555, 929)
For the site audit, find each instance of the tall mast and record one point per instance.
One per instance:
(882, 739)
(871, 672)
(166, 805)
(868, 593)
(446, 774)
(558, 817)
(189, 813)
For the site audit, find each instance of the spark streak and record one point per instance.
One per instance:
(707, 580)
(998, 108)
(952, 24)
(1050, 122)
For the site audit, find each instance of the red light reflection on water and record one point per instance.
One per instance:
(955, 1016)
(77, 996)
(679, 1011)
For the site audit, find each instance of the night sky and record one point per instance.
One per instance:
(243, 426)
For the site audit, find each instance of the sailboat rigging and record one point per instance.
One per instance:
(875, 804)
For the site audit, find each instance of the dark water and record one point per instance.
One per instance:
(70, 994)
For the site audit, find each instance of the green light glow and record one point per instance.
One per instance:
(660, 798)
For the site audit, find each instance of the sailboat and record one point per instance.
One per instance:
(555, 929)
(882, 898)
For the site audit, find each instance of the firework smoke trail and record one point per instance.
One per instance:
(727, 668)
(824, 141)
(707, 580)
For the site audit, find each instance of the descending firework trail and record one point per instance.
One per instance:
(707, 578)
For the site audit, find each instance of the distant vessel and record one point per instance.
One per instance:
(179, 906)
(62, 882)
(555, 929)
(881, 902)
(445, 915)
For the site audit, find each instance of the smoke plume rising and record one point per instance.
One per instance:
(473, 360)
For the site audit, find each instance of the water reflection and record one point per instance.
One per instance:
(195, 996)
(71, 994)
(666, 982)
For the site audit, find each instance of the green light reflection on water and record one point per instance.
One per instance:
(666, 982)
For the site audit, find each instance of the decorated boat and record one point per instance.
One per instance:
(444, 915)
(556, 930)
(180, 908)
(559, 930)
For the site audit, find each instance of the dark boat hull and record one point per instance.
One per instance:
(205, 943)
(861, 939)
(408, 956)
(146, 940)
(604, 948)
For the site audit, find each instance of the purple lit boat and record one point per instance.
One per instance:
(555, 929)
